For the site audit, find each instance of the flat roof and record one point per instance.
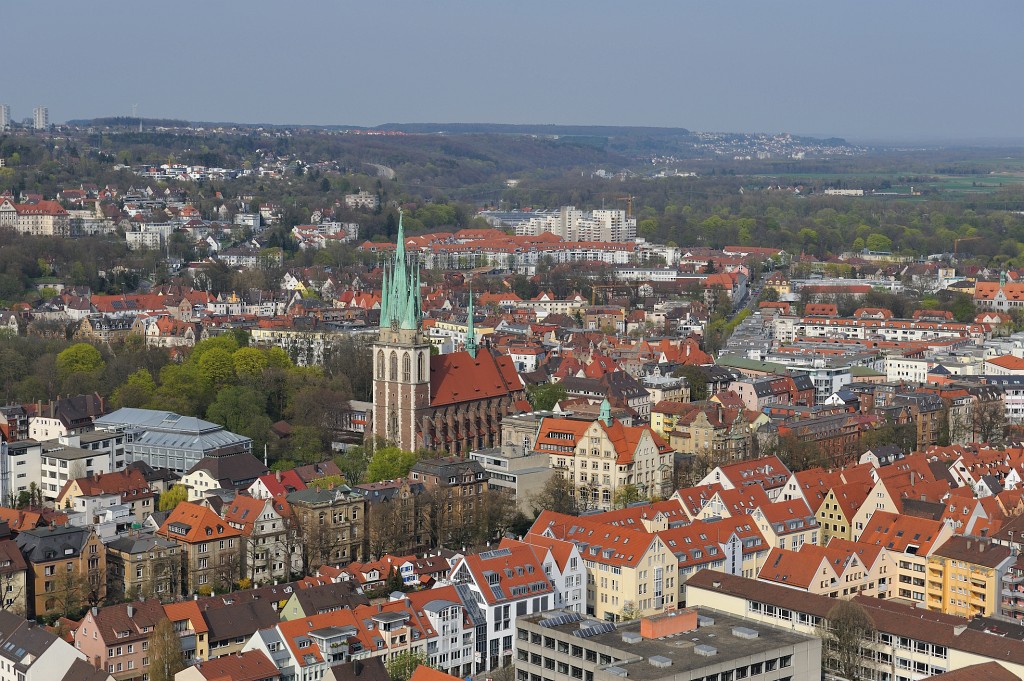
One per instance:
(679, 648)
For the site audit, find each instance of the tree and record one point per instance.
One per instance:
(165, 656)
(172, 497)
(136, 391)
(990, 422)
(847, 631)
(401, 666)
(80, 357)
(697, 379)
(306, 444)
(545, 397)
(555, 496)
(353, 462)
(383, 528)
(249, 362)
(389, 463)
(626, 495)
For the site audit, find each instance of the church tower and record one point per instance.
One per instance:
(401, 355)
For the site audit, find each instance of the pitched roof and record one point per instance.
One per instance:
(459, 377)
(193, 523)
(251, 665)
(509, 573)
(901, 532)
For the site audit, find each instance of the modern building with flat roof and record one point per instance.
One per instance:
(681, 645)
(164, 439)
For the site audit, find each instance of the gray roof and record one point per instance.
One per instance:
(44, 544)
(233, 470)
(172, 431)
(140, 544)
(19, 637)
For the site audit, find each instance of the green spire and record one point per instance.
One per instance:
(400, 299)
(470, 328)
(606, 412)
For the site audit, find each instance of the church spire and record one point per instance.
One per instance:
(401, 306)
(470, 328)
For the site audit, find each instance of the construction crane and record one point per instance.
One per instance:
(629, 204)
(956, 243)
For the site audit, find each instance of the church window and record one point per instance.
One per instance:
(394, 366)
(380, 365)
(406, 368)
(419, 367)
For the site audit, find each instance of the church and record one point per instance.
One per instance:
(450, 403)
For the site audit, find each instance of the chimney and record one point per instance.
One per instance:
(131, 611)
(278, 475)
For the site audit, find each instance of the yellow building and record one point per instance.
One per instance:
(630, 573)
(836, 513)
(964, 576)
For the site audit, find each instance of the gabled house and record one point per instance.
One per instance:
(210, 547)
(115, 638)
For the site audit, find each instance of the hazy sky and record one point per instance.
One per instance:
(889, 69)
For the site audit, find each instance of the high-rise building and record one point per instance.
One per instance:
(40, 118)
(5, 116)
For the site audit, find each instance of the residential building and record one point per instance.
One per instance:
(143, 566)
(456, 491)
(29, 652)
(231, 472)
(67, 565)
(210, 548)
(966, 576)
(683, 644)
(331, 524)
(43, 218)
(629, 571)
(128, 484)
(271, 543)
(504, 584)
(787, 524)
(251, 665)
(769, 472)
(910, 542)
(40, 118)
(604, 458)
(14, 587)
(115, 638)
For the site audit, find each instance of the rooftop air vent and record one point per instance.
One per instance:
(659, 661)
(744, 632)
(631, 637)
(705, 650)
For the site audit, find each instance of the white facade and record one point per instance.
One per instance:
(40, 118)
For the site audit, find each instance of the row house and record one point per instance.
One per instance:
(910, 542)
(768, 472)
(143, 566)
(115, 638)
(331, 522)
(630, 572)
(966, 577)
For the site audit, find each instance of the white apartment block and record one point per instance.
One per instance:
(363, 199)
(40, 118)
(573, 224)
(5, 116)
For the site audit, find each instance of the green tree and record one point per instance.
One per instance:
(879, 242)
(166, 658)
(249, 362)
(697, 379)
(216, 368)
(626, 495)
(172, 497)
(306, 444)
(241, 410)
(389, 463)
(544, 397)
(353, 462)
(79, 358)
(401, 666)
(137, 390)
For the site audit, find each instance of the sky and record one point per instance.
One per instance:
(871, 70)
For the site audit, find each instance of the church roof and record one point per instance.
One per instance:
(459, 377)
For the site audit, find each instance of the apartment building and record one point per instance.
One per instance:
(66, 565)
(143, 566)
(602, 457)
(965, 576)
(910, 542)
(210, 548)
(331, 524)
(910, 642)
(115, 638)
(630, 572)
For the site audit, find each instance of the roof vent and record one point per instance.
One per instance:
(705, 621)
(705, 650)
(631, 637)
(744, 632)
(659, 661)
(616, 671)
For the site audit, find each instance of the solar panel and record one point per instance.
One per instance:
(559, 620)
(498, 593)
(601, 628)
